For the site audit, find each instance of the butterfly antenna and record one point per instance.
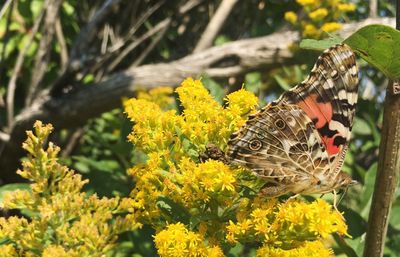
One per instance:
(342, 196)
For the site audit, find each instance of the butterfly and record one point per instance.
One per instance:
(298, 142)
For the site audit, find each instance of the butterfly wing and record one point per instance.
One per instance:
(316, 118)
(282, 145)
(329, 96)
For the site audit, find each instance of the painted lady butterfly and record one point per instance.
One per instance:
(298, 142)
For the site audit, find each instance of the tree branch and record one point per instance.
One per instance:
(12, 84)
(43, 55)
(62, 43)
(388, 169)
(5, 7)
(215, 25)
(74, 108)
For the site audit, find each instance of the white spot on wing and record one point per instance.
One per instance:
(336, 125)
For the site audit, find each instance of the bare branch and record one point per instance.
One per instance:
(12, 84)
(63, 45)
(73, 140)
(150, 47)
(43, 55)
(5, 40)
(4, 136)
(5, 7)
(373, 8)
(159, 27)
(215, 25)
(87, 34)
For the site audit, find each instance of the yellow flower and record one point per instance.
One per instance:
(346, 7)
(310, 31)
(291, 17)
(8, 250)
(307, 2)
(331, 26)
(177, 241)
(56, 200)
(318, 14)
(160, 96)
(215, 251)
(308, 248)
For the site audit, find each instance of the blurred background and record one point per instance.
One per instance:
(73, 62)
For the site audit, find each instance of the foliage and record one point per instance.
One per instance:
(320, 16)
(379, 46)
(60, 219)
(102, 154)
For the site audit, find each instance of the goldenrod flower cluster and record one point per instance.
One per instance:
(281, 226)
(321, 16)
(176, 240)
(63, 221)
(199, 208)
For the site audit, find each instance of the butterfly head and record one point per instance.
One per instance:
(344, 180)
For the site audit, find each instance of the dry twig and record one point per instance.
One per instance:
(12, 84)
(215, 25)
(43, 54)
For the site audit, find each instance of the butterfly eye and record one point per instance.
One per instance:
(255, 145)
(280, 124)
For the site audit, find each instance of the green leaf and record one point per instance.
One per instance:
(361, 127)
(320, 45)
(394, 217)
(282, 82)
(176, 211)
(368, 189)
(379, 45)
(36, 7)
(12, 187)
(216, 90)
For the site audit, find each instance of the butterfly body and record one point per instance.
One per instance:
(298, 142)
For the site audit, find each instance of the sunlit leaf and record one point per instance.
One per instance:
(379, 45)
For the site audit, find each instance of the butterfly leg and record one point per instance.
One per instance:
(335, 200)
(335, 203)
(293, 196)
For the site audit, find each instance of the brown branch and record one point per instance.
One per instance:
(12, 84)
(388, 169)
(43, 54)
(159, 27)
(5, 7)
(62, 43)
(88, 33)
(150, 47)
(72, 142)
(74, 108)
(4, 136)
(5, 40)
(387, 175)
(207, 38)
(373, 8)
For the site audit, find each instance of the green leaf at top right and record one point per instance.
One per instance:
(379, 45)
